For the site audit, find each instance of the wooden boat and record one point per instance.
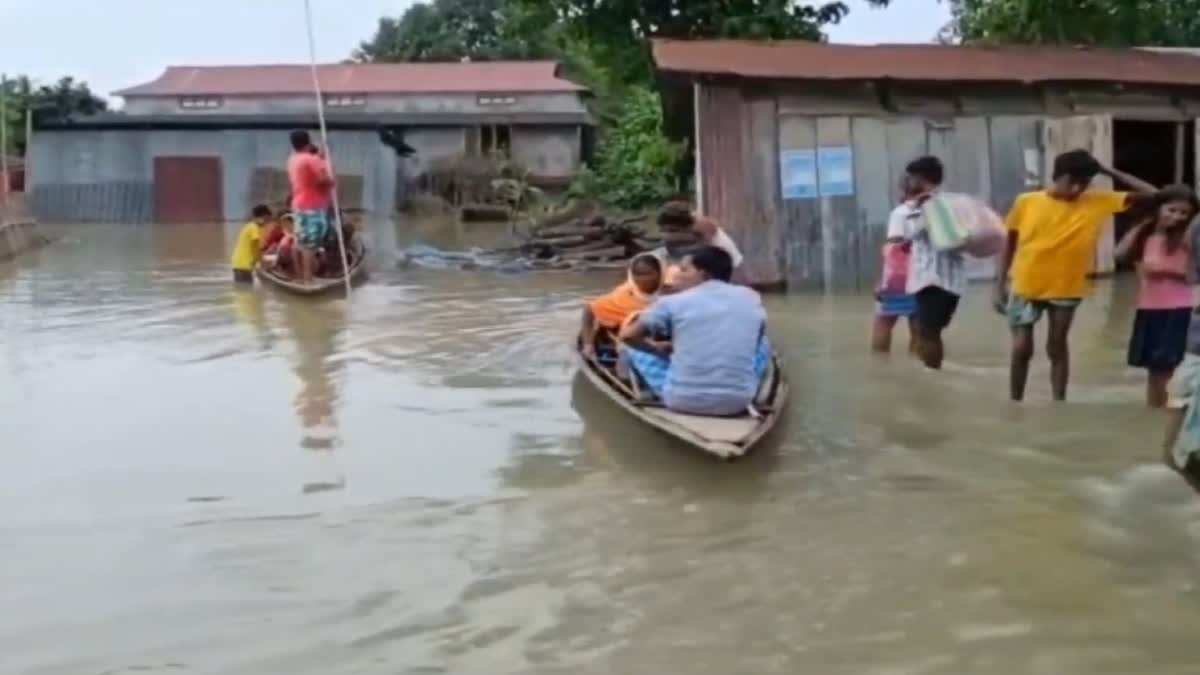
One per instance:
(320, 285)
(725, 437)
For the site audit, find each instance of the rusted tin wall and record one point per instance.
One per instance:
(739, 175)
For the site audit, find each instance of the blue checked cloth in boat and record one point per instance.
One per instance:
(653, 369)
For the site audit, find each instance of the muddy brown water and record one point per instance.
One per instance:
(199, 479)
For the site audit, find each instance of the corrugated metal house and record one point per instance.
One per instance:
(800, 145)
(206, 143)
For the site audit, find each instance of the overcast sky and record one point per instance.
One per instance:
(112, 44)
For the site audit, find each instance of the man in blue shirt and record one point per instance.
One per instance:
(718, 351)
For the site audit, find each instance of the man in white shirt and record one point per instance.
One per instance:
(683, 228)
(713, 235)
(936, 279)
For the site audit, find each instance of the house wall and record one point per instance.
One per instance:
(990, 139)
(567, 102)
(108, 175)
(434, 146)
(552, 152)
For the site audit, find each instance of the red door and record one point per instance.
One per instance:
(187, 190)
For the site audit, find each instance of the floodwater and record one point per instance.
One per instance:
(199, 479)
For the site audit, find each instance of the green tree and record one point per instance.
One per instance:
(64, 98)
(451, 30)
(618, 30)
(635, 165)
(1109, 23)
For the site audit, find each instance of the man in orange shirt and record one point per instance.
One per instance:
(312, 195)
(1052, 236)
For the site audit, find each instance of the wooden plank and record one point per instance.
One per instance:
(1180, 134)
(763, 233)
(972, 174)
(804, 246)
(877, 195)
(839, 215)
(1011, 139)
(1196, 154)
(905, 142)
(939, 142)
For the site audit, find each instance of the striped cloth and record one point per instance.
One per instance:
(654, 369)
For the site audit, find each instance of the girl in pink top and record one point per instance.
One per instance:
(1159, 247)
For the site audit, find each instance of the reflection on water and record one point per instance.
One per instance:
(216, 480)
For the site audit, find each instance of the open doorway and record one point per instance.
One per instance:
(1159, 152)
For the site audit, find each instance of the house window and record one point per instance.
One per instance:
(495, 139)
(497, 100)
(200, 102)
(346, 100)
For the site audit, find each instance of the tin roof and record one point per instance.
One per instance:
(116, 120)
(925, 62)
(358, 78)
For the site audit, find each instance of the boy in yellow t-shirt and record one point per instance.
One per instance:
(1052, 236)
(249, 247)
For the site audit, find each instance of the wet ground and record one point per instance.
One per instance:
(205, 480)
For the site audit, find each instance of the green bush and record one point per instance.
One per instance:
(635, 163)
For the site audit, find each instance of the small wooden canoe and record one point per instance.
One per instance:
(321, 285)
(725, 437)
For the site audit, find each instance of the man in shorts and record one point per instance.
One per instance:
(312, 196)
(936, 279)
(1052, 237)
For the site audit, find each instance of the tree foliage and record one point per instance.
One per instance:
(62, 99)
(452, 30)
(636, 162)
(1109, 23)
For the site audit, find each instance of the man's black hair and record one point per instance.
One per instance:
(928, 168)
(648, 260)
(300, 140)
(676, 215)
(1078, 165)
(261, 211)
(715, 262)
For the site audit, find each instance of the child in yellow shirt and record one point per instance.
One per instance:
(1052, 236)
(249, 247)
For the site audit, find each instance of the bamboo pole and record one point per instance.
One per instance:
(337, 211)
(28, 147)
(3, 140)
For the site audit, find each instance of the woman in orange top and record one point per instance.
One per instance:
(608, 312)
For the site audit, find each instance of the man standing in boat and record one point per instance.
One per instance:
(312, 197)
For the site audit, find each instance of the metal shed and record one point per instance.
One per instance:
(800, 145)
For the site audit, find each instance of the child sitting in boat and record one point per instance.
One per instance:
(605, 315)
(249, 248)
(281, 246)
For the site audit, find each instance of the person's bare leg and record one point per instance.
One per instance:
(1022, 354)
(912, 336)
(881, 334)
(1174, 425)
(1058, 349)
(1156, 388)
(309, 261)
(930, 348)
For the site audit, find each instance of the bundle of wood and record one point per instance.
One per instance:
(582, 236)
